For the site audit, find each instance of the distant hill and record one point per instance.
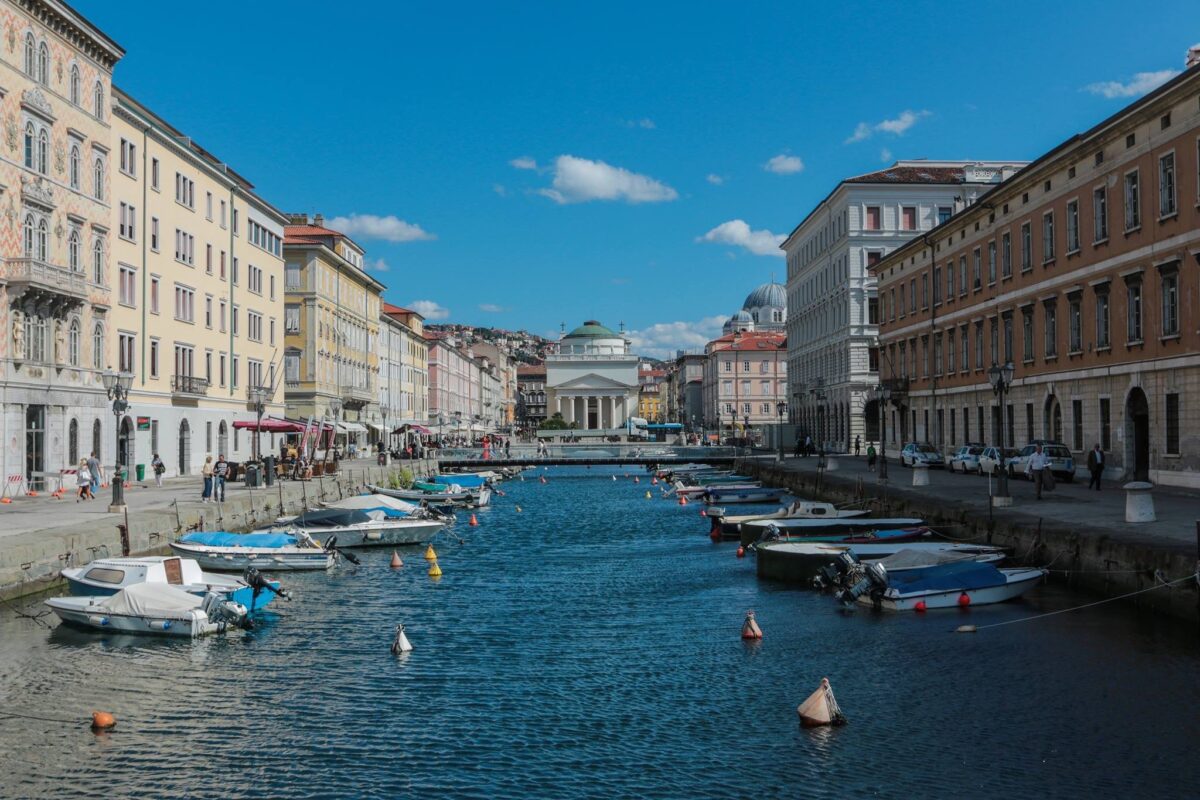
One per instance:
(523, 346)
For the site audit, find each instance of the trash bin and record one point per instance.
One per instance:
(269, 470)
(141, 472)
(252, 474)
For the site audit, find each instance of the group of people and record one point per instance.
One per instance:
(215, 475)
(88, 477)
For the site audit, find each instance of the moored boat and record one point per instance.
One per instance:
(151, 608)
(374, 527)
(729, 526)
(752, 531)
(436, 493)
(943, 586)
(270, 552)
(106, 576)
(800, 561)
(755, 494)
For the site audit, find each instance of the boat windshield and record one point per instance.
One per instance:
(105, 575)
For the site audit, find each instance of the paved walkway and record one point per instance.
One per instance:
(44, 512)
(1178, 510)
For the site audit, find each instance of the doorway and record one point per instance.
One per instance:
(1137, 435)
(125, 444)
(35, 447)
(1052, 422)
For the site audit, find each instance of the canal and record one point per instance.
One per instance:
(588, 646)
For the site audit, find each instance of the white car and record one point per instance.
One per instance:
(1061, 464)
(966, 459)
(921, 453)
(994, 459)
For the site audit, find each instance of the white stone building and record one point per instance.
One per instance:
(592, 380)
(832, 319)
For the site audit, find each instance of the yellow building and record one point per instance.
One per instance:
(197, 285)
(331, 360)
(55, 292)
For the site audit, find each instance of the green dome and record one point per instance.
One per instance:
(592, 328)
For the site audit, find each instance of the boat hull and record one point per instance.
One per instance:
(762, 495)
(780, 563)
(751, 532)
(236, 559)
(80, 613)
(1019, 582)
(384, 534)
(242, 594)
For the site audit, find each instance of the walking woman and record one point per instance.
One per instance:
(159, 468)
(207, 472)
(83, 479)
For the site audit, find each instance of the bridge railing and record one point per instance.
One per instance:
(591, 451)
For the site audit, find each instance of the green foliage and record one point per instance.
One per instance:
(556, 423)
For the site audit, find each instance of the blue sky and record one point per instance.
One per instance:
(522, 166)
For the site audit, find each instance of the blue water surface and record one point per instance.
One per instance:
(588, 646)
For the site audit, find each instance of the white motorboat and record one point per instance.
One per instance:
(957, 585)
(754, 530)
(368, 501)
(151, 608)
(270, 552)
(799, 561)
(374, 527)
(731, 526)
(106, 576)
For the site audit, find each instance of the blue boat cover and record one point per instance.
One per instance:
(948, 577)
(226, 539)
(466, 481)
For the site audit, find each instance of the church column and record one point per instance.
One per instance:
(611, 408)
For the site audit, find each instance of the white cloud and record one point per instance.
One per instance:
(499, 189)
(523, 162)
(885, 155)
(714, 179)
(429, 309)
(390, 228)
(737, 232)
(783, 164)
(644, 122)
(1141, 83)
(376, 265)
(664, 338)
(492, 308)
(898, 126)
(579, 180)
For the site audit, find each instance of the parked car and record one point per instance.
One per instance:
(966, 459)
(993, 459)
(1062, 464)
(922, 453)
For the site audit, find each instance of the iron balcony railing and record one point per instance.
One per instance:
(189, 385)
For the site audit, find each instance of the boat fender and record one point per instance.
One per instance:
(966, 629)
(103, 721)
(750, 629)
(964, 600)
(920, 606)
(373, 536)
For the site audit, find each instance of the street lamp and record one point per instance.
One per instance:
(780, 407)
(258, 396)
(116, 385)
(335, 410)
(1001, 378)
(458, 424)
(882, 395)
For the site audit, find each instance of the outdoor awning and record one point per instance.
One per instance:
(421, 429)
(351, 427)
(378, 428)
(269, 425)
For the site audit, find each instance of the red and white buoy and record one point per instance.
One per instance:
(750, 629)
(741, 551)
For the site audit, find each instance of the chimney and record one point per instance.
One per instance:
(319, 220)
(1193, 57)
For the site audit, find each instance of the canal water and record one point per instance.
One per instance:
(589, 646)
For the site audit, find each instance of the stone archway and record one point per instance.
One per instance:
(1137, 435)
(1052, 420)
(125, 442)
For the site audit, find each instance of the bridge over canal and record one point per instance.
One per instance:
(590, 455)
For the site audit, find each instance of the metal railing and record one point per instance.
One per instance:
(189, 385)
(585, 451)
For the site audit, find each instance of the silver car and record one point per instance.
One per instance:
(966, 459)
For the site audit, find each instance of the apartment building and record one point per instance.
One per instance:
(745, 379)
(1080, 271)
(404, 368)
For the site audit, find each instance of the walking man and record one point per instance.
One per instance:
(808, 447)
(857, 445)
(799, 451)
(1095, 466)
(159, 469)
(97, 472)
(870, 457)
(220, 473)
(1036, 469)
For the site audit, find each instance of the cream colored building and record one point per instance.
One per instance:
(331, 360)
(197, 295)
(404, 368)
(55, 239)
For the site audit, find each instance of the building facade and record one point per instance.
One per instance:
(832, 321)
(592, 379)
(403, 370)
(502, 412)
(197, 265)
(451, 395)
(58, 290)
(1081, 272)
(687, 390)
(652, 394)
(531, 391)
(745, 379)
(331, 324)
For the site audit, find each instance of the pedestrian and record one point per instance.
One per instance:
(1036, 469)
(207, 472)
(1095, 465)
(798, 449)
(83, 479)
(857, 445)
(96, 471)
(808, 445)
(508, 448)
(159, 469)
(871, 457)
(220, 473)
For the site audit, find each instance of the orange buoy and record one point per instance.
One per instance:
(654, 481)
(103, 721)
(964, 600)
(396, 562)
(683, 499)
(5, 500)
(31, 493)
(920, 606)
(474, 522)
(715, 535)
(821, 708)
(750, 629)
(741, 551)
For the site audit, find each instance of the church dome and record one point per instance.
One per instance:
(769, 295)
(592, 328)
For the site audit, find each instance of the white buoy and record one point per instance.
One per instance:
(401, 643)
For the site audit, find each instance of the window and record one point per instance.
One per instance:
(98, 179)
(98, 346)
(208, 206)
(98, 269)
(1008, 337)
(874, 218)
(154, 174)
(74, 90)
(127, 222)
(966, 353)
(73, 167)
(185, 364)
(1006, 255)
(937, 285)
(254, 330)
(778, 314)
(30, 146)
(208, 366)
(950, 281)
(255, 279)
(291, 319)
(1026, 247)
(233, 372)
(30, 56)
(991, 262)
(1077, 425)
(1047, 237)
(185, 247)
(271, 340)
(233, 320)
(208, 314)
(73, 259)
(128, 157)
(125, 342)
(154, 234)
(43, 64)
(1075, 325)
(1170, 301)
(185, 299)
(764, 388)
(222, 266)
(1051, 333)
(154, 358)
(1133, 317)
(908, 218)
(903, 305)
(73, 343)
(98, 100)
(924, 290)
(1172, 424)
(233, 272)
(35, 337)
(221, 370)
(937, 354)
(1166, 186)
(154, 294)
(950, 363)
(208, 259)
(1027, 334)
(1133, 213)
(1100, 213)
(222, 213)
(235, 222)
(995, 341)
(963, 286)
(1073, 226)
(128, 286)
(43, 152)
(185, 190)
(745, 366)
(1102, 336)
(979, 346)
(943, 214)
(977, 260)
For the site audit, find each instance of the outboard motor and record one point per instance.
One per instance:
(833, 573)
(255, 580)
(771, 534)
(218, 609)
(874, 580)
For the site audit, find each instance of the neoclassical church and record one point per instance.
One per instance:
(592, 380)
(765, 309)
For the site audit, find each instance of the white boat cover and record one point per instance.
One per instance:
(373, 501)
(150, 599)
(909, 559)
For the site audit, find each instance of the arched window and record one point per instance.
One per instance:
(73, 345)
(43, 152)
(73, 251)
(74, 167)
(96, 439)
(98, 100)
(30, 56)
(43, 241)
(44, 64)
(98, 350)
(30, 163)
(29, 242)
(75, 98)
(98, 179)
(98, 263)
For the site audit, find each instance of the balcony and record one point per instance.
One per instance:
(355, 397)
(188, 387)
(40, 281)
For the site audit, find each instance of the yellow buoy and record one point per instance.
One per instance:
(518, 509)
(430, 555)
(434, 570)
(647, 495)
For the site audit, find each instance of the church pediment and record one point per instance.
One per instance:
(591, 381)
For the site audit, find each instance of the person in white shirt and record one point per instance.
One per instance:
(1037, 467)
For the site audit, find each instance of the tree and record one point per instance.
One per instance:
(556, 423)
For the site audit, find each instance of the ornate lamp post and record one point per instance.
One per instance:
(780, 407)
(458, 424)
(335, 410)
(258, 396)
(116, 385)
(1001, 378)
(441, 418)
